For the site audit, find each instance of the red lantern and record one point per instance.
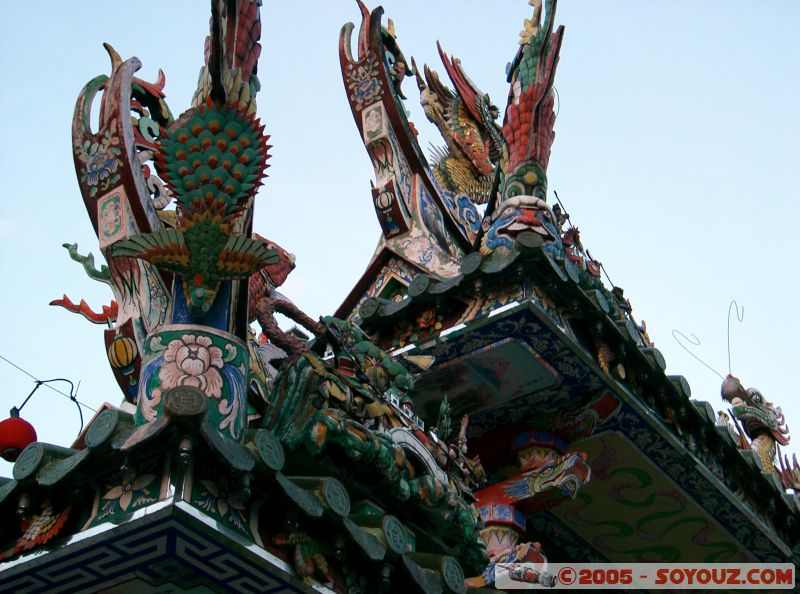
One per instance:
(15, 435)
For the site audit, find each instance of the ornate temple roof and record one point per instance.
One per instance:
(485, 393)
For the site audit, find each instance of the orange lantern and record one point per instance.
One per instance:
(121, 353)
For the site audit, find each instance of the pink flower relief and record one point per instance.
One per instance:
(192, 361)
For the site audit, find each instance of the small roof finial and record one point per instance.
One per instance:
(116, 60)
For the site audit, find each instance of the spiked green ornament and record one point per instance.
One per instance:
(214, 161)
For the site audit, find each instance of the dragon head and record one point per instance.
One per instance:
(521, 206)
(754, 412)
(733, 391)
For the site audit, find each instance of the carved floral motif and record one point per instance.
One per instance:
(100, 161)
(192, 361)
(213, 362)
(363, 82)
(217, 499)
(132, 489)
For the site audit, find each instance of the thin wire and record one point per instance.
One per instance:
(696, 342)
(75, 400)
(740, 317)
(33, 377)
(72, 396)
(80, 413)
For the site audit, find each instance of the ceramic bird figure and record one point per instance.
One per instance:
(466, 121)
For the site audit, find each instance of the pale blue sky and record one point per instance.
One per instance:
(676, 154)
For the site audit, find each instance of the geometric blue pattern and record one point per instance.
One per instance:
(168, 546)
(578, 382)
